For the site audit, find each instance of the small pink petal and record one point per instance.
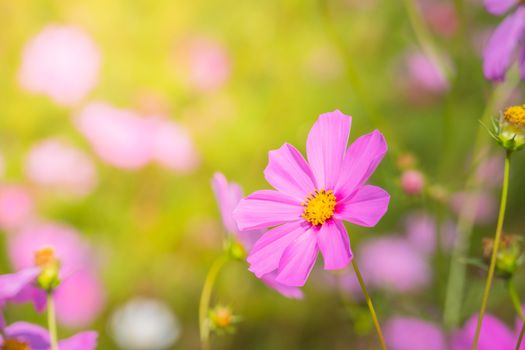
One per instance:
(365, 207)
(266, 208)
(334, 244)
(80, 341)
(286, 291)
(499, 7)
(228, 196)
(268, 250)
(288, 172)
(361, 159)
(298, 260)
(326, 147)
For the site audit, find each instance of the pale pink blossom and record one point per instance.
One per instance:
(16, 206)
(61, 62)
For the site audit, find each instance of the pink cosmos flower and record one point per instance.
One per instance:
(61, 62)
(20, 287)
(23, 335)
(404, 333)
(228, 196)
(172, 145)
(119, 136)
(56, 165)
(79, 283)
(312, 199)
(425, 74)
(16, 206)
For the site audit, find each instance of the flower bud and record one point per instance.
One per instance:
(49, 278)
(412, 182)
(509, 129)
(509, 255)
(222, 320)
(235, 249)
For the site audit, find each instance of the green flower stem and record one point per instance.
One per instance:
(204, 303)
(51, 322)
(516, 302)
(497, 239)
(520, 338)
(370, 305)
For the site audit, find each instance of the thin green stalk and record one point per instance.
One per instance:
(424, 38)
(520, 338)
(51, 322)
(204, 303)
(511, 288)
(497, 238)
(370, 305)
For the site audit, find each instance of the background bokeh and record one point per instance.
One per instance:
(235, 80)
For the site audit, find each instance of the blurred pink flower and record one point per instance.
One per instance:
(79, 298)
(172, 145)
(16, 206)
(490, 171)
(205, 64)
(412, 182)
(404, 333)
(20, 287)
(481, 203)
(61, 62)
(83, 285)
(392, 263)
(312, 199)
(55, 164)
(441, 16)
(119, 136)
(228, 196)
(425, 74)
(421, 232)
(495, 335)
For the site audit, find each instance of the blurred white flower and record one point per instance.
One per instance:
(144, 324)
(54, 164)
(61, 62)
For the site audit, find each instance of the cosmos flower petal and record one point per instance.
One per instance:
(500, 50)
(499, 7)
(334, 244)
(326, 147)
(362, 158)
(268, 250)
(266, 208)
(298, 260)
(228, 196)
(80, 341)
(494, 335)
(288, 172)
(284, 290)
(35, 336)
(12, 284)
(365, 207)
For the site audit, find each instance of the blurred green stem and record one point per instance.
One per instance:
(204, 303)
(520, 338)
(425, 38)
(456, 277)
(511, 288)
(497, 238)
(51, 322)
(370, 304)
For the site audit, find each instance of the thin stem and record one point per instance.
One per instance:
(511, 288)
(51, 322)
(497, 238)
(520, 338)
(204, 303)
(370, 305)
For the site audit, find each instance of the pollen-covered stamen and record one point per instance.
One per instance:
(319, 206)
(45, 257)
(515, 115)
(15, 344)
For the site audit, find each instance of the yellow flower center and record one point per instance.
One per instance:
(45, 257)
(319, 206)
(13, 344)
(223, 317)
(515, 115)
